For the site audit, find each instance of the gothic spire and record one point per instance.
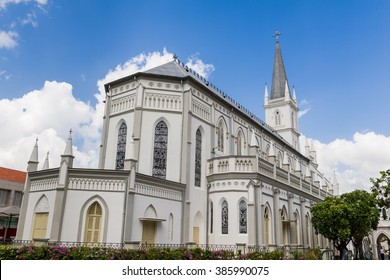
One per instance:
(46, 163)
(32, 164)
(279, 77)
(69, 149)
(34, 153)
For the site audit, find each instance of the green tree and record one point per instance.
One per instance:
(363, 217)
(331, 219)
(349, 217)
(381, 189)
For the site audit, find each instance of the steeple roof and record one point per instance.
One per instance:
(279, 77)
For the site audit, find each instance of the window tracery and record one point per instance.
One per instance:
(243, 216)
(225, 218)
(160, 150)
(198, 158)
(121, 147)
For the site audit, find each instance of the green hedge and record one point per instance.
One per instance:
(8, 252)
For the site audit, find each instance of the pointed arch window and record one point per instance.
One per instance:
(297, 225)
(285, 226)
(267, 226)
(93, 223)
(277, 117)
(307, 228)
(160, 150)
(239, 143)
(243, 216)
(121, 147)
(225, 218)
(220, 136)
(198, 158)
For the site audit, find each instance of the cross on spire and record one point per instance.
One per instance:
(276, 35)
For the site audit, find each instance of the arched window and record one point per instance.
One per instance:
(225, 217)
(243, 216)
(239, 143)
(297, 225)
(121, 147)
(220, 136)
(308, 232)
(93, 223)
(211, 216)
(267, 226)
(277, 118)
(285, 226)
(280, 159)
(198, 158)
(160, 150)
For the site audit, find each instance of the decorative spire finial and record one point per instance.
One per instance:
(276, 35)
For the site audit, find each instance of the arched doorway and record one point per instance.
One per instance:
(383, 242)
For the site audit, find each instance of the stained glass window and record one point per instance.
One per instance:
(243, 216)
(160, 150)
(121, 147)
(220, 134)
(198, 158)
(225, 218)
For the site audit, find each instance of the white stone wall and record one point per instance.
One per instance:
(174, 124)
(77, 204)
(163, 208)
(112, 140)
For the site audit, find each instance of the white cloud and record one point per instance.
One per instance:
(199, 66)
(355, 161)
(30, 18)
(301, 113)
(49, 113)
(304, 106)
(138, 63)
(4, 3)
(8, 39)
(4, 75)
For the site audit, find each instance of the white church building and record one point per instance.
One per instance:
(181, 162)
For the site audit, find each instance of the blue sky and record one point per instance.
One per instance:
(336, 53)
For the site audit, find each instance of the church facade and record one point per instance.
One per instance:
(180, 161)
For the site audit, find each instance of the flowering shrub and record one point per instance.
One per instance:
(8, 252)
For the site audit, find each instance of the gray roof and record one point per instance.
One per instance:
(177, 69)
(279, 76)
(168, 69)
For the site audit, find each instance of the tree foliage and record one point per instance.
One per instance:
(381, 189)
(331, 219)
(346, 218)
(364, 217)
